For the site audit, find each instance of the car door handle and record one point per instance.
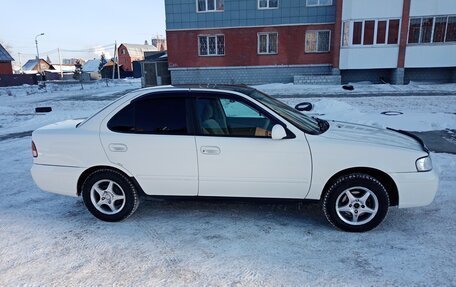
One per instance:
(210, 150)
(118, 147)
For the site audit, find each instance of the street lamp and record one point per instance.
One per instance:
(38, 53)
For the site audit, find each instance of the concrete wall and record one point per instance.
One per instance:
(182, 14)
(372, 9)
(369, 57)
(244, 75)
(445, 75)
(429, 56)
(434, 7)
(374, 76)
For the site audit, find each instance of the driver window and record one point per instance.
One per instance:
(229, 117)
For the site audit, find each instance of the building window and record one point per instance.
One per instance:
(374, 32)
(346, 34)
(439, 30)
(369, 27)
(414, 30)
(393, 31)
(268, 4)
(210, 5)
(381, 32)
(357, 33)
(211, 45)
(311, 3)
(426, 30)
(451, 30)
(317, 41)
(268, 43)
(124, 51)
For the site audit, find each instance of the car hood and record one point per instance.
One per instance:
(371, 135)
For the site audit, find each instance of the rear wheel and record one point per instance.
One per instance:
(356, 202)
(109, 195)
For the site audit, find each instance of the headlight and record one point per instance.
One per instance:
(424, 164)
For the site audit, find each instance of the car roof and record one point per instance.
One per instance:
(246, 90)
(235, 88)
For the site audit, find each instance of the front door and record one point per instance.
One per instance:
(238, 158)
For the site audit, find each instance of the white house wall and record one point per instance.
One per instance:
(372, 9)
(369, 58)
(431, 56)
(434, 7)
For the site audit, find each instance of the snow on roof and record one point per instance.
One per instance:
(30, 65)
(65, 68)
(4, 55)
(91, 66)
(137, 51)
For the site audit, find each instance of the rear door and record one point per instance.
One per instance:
(238, 158)
(152, 137)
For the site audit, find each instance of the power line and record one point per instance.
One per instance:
(88, 50)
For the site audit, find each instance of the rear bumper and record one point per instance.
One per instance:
(57, 179)
(416, 188)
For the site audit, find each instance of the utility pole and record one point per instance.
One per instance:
(60, 63)
(114, 60)
(20, 63)
(38, 53)
(118, 66)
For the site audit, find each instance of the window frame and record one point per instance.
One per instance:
(317, 40)
(375, 43)
(195, 94)
(268, 7)
(216, 46)
(434, 17)
(210, 11)
(177, 94)
(318, 4)
(267, 43)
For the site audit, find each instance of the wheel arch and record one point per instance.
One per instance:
(381, 176)
(92, 169)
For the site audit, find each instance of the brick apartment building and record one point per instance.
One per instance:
(264, 41)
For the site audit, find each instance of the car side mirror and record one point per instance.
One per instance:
(304, 107)
(278, 132)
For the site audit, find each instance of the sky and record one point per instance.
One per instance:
(77, 25)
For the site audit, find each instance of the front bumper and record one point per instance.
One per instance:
(416, 188)
(57, 179)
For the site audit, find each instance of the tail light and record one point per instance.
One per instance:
(34, 150)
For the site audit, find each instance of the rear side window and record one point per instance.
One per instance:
(152, 116)
(124, 120)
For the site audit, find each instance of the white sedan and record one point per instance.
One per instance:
(230, 141)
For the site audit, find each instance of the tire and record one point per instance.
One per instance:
(356, 203)
(109, 195)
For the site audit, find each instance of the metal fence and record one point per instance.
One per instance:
(18, 80)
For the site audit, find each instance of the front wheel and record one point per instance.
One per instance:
(109, 195)
(356, 202)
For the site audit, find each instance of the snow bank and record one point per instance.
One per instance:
(418, 113)
(360, 88)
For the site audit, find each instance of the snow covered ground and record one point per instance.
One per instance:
(360, 88)
(51, 240)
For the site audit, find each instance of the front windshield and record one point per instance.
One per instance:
(301, 121)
